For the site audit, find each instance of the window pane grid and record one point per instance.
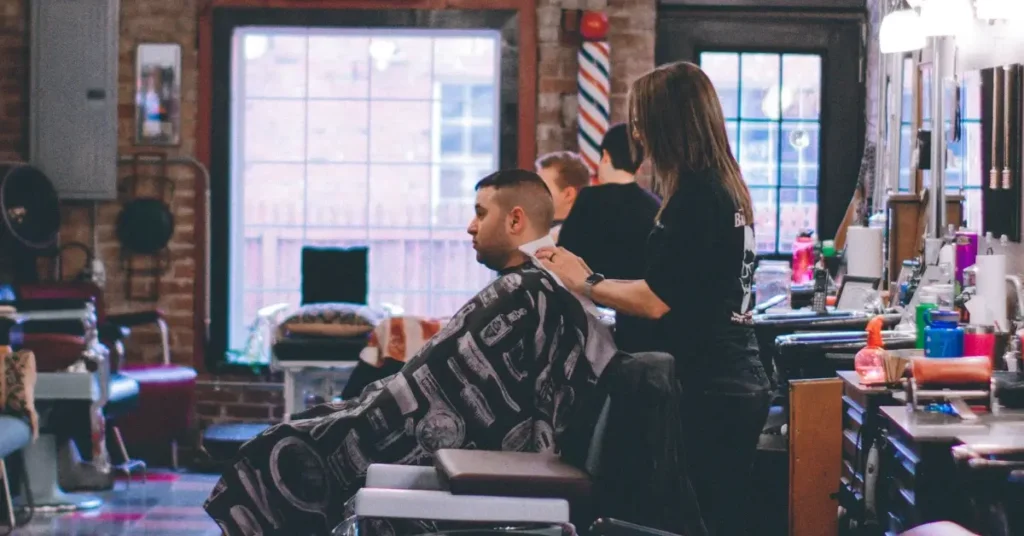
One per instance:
(369, 167)
(771, 103)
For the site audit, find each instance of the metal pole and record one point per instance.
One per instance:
(937, 221)
(881, 122)
(894, 121)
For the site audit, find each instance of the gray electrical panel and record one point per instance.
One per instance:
(73, 95)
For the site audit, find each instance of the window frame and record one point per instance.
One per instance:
(517, 108)
(773, 129)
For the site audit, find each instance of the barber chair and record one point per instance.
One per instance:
(329, 275)
(73, 388)
(627, 471)
(162, 412)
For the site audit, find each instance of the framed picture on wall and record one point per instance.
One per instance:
(158, 94)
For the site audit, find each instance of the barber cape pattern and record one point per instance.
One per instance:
(511, 371)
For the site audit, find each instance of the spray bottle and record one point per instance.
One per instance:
(870, 360)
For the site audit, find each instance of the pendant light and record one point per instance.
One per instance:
(941, 18)
(901, 31)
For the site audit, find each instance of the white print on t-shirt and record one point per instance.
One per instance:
(747, 271)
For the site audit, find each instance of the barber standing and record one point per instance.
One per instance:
(697, 286)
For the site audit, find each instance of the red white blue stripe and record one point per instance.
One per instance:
(594, 103)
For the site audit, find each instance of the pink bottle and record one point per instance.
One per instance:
(803, 258)
(870, 360)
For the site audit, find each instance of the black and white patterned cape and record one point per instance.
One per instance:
(515, 369)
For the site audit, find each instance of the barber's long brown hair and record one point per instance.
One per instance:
(677, 122)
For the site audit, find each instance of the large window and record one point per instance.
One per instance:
(359, 137)
(963, 169)
(772, 108)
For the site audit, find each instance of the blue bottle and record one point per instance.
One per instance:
(943, 337)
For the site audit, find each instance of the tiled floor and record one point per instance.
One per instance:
(167, 504)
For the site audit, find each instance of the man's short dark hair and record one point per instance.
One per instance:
(572, 170)
(616, 144)
(522, 188)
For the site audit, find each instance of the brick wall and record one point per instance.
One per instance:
(631, 38)
(243, 398)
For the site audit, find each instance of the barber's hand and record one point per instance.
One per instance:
(568, 267)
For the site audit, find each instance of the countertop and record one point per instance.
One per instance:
(933, 427)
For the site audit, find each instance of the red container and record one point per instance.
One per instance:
(979, 341)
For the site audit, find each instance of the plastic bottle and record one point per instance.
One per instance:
(870, 360)
(943, 337)
(803, 258)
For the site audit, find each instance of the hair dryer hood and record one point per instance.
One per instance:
(29, 205)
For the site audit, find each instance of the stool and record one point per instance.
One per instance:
(167, 398)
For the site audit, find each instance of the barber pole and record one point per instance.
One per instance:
(594, 88)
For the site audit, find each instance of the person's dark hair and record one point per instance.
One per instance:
(525, 189)
(572, 170)
(676, 122)
(616, 143)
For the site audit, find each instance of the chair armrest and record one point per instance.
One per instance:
(136, 319)
(522, 474)
(614, 527)
(112, 332)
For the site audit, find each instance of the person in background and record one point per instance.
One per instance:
(697, 285)
(566, 175)
(608, 228)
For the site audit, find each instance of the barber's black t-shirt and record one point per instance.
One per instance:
(700, 262)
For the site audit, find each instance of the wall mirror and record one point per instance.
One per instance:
(158, 94)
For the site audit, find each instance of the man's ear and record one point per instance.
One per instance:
(517, 220)
(570, 193)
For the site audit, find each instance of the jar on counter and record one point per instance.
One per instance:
(773, 278)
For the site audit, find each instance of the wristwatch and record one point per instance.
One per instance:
(588, 284)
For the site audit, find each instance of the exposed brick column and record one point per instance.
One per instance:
(631, 37)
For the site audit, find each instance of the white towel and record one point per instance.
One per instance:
(530, 249)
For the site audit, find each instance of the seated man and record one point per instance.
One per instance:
(515, 369)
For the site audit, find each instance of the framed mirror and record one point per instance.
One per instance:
(158, 94)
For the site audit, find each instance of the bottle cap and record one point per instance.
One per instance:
(874, 330)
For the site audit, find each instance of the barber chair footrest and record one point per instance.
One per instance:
(443, 506)
(47, 496)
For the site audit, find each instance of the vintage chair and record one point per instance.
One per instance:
(166, 401)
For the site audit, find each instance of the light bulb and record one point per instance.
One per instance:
(941, 18)
(901, 31)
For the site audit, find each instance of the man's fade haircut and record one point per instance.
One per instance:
(522, 188)
(617, 144)
(572, 170)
